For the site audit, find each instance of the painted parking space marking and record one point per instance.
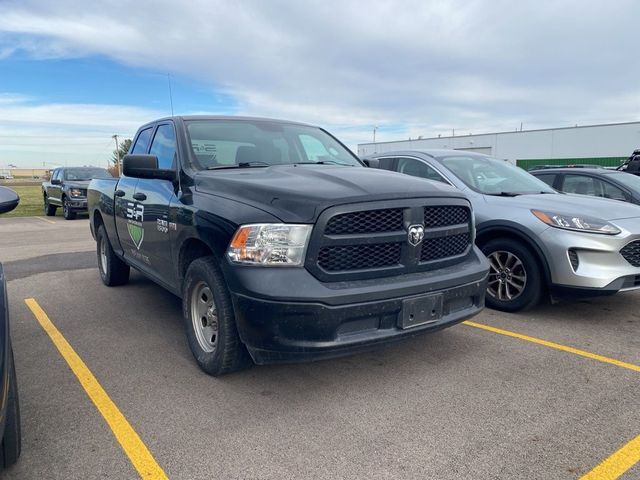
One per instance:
(45, 220)
(133, 446)
(618, 463)
(557, 346)
(623, 459)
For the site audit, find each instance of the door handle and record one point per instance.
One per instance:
(119, 193)
(139, 196)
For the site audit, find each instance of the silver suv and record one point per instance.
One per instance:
(539, 241)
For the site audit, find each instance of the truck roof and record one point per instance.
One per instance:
(228, 117)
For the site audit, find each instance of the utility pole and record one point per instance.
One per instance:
(115, 137)
(375, 128)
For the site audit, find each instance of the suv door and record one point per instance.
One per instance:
(127, 214)
(155, 197)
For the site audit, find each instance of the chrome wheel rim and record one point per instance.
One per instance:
(204, 317)
(103, 256)
(507, 276)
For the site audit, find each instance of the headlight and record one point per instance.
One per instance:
(270, 244)
(75, 192)
(580, 223)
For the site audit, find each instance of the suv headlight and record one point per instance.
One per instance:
(579, 223)
(270, 244)
(75, 192)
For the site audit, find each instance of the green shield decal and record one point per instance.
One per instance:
(136, 232)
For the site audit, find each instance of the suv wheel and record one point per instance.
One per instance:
(210, 320)
(515, 279)
(67, 211)
(49, 210)
(113, 271)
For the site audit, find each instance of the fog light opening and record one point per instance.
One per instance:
(573, 259)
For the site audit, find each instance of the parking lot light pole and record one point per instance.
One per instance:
(115, 137)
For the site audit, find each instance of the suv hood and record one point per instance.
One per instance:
(602, 208)
(298, 193)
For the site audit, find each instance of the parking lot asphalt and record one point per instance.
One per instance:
(461, 403)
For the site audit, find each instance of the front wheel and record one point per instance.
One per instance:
(210, 320)
(113, 271)
(515, 279)
(67, 212)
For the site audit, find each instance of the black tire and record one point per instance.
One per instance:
(49, 210)
(12, 437)
(229, 353)
(532, 290)
(67, 212)
(113, 271)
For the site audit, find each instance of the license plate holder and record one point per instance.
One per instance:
(421, 311)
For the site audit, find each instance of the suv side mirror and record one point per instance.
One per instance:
(145, 166)
(56, 181)
(8, 199)
(371, 162)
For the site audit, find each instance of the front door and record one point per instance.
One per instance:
(155, 196)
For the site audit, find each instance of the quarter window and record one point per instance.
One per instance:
(164, 147)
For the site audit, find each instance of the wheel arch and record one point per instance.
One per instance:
(191, 249)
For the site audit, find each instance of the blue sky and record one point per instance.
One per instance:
(73, 73)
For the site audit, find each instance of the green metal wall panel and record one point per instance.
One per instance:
(602, 161)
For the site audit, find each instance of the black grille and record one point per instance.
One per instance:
(369, 221)
(631, 253)
(358, 257)
(445, 216)
(443, 247)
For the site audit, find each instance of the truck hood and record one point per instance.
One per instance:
(569, 204)
(298, 193)
(77, 183)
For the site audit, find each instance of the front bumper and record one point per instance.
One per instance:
(77, 203)
(287, 315)
(601, 267)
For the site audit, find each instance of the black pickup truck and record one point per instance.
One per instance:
(281, 243)
(68, 189)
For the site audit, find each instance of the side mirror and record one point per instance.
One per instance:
(8, 199)
(371, 162)
(145, 166)
(56, 181)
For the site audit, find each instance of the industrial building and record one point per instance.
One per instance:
(606, 144)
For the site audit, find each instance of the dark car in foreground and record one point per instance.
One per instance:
(538, 241)
(9, 404)
(612, 184)
(68, 189)
(280, 242)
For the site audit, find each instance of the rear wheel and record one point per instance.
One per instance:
(67, 211)
(49, 210)
(12, 438)
(113, 271)
(515, 279)
(210, 320)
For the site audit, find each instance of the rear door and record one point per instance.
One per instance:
(128, 213)
(153, 197)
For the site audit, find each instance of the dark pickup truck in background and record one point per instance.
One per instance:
(68, 189)
(281, 243)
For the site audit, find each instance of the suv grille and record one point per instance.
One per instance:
(361, 241)
(371, 221)
(631, 253)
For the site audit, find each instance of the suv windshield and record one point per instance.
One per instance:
(493, 177)
(80, 174)
(257, 143)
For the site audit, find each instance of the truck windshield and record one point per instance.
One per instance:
(257, 143)
(80, 174)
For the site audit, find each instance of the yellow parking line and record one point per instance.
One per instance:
(618, 463)
(557, 346)
(45, 219)
(129, 440)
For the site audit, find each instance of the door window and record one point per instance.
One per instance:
(586, 185)
(142, 142)
(548, 178)
(164, 147)
(418, 168)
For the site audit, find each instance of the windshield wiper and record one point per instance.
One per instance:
(240, 165)
(322, 162)
(504, 194)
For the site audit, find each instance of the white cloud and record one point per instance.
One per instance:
(413, 67)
